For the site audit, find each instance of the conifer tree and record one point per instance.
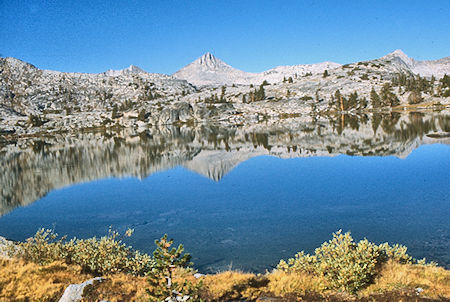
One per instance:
(388, 97)
(375, 99)
(222, 94)
(167, 259)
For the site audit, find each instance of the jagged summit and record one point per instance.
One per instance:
(400, 57)
(209, 70)
(398, 53)
(132, 69)
(210, 61)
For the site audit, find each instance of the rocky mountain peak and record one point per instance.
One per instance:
(135, 69)
(398, 54)
(132, 69)
(208, 60)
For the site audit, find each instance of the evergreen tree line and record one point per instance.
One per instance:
(413, 83)
(256, 94)
(444, 86)
(340, 102)
(386, 98)
(418, 85)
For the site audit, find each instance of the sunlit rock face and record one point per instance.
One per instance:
(31, 168)
(35, 101)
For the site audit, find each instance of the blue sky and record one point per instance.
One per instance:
(163, 36)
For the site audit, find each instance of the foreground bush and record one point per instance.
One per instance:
(99, 256)
(345, 264)
(168, 262)
(382, 272)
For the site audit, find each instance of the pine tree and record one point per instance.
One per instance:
(260, 93)
(115, 112)
(142, 115)
(160, 278)
(325, 73)
(352, 100)
(415, 97)
(339, 100)
(375, 99)
(388, 97)
(222, 94)
(290, 80)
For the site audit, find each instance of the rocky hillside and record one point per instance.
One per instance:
(211, 71)
(40, 101)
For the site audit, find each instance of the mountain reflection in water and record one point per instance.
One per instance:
(31, 168)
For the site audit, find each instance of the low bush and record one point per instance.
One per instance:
(105, 255)
(345, 264)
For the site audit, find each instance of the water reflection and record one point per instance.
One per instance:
(30, 168)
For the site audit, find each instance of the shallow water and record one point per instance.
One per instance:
(239, 206)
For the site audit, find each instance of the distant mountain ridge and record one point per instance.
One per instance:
(132, 69)
(33, 100)
(211, 71)
(437, 68)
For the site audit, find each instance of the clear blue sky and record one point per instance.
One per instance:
(163, 36)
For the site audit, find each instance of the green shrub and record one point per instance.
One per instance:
(105, 255)
(162, 285)
(345, 264)
(35, 120)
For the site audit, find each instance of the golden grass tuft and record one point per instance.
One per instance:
(119, 287)
(282, 284)
(231, 285)
(435, 281)
(20, 281)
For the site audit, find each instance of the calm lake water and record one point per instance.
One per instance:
(244, 198)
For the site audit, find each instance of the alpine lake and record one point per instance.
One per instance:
(240, 197)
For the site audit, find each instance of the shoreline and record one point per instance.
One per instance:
(288, 282)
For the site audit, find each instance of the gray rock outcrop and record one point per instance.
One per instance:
(75, 292)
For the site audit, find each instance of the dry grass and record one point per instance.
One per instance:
(119, 287)
(435, 281)
(20, 281)
(232, 285)
(282, 284)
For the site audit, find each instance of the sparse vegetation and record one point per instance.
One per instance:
(35, 120)
(97, 256)
(161, 276)
(345, 264)
(358, 268)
